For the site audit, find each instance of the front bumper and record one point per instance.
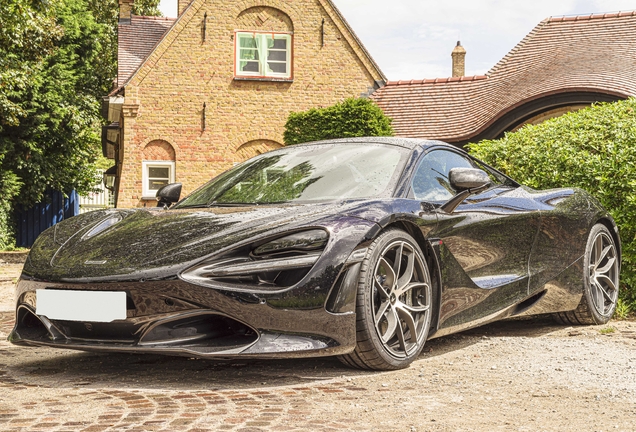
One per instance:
(177, 318)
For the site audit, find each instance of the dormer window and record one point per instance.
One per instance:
(263, 55)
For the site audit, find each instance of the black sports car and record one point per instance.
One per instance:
(362, 248)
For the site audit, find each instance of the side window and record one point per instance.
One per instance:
(430, 182)
(496, 177)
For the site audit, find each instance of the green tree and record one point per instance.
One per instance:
(57, 60)
(28, 33)
(147, 7)
(594, 149)
(350, 118)
(9, 188)
(55, 139)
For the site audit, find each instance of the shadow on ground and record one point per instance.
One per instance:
(35, 366)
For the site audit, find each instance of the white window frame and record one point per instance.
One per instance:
(148, 193)
(263, 71)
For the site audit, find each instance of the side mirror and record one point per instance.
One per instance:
(468, 181)
(468, 178)
(168, 195)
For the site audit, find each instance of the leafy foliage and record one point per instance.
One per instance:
(350, 118)
(594, 149)
(27, 33)
(58, 58)
(54, 141)
(146, 7)
(9, 188)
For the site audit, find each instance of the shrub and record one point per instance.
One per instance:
(594, 149)
(350, 118)
(9, 187)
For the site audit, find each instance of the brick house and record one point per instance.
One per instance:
(564, 64)
(215, 86)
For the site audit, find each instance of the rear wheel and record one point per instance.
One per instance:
(393, 304)
(600, 281)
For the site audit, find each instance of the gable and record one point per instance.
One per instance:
(265, 13)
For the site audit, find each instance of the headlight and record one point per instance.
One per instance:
(303, 241)
(276, 264)
(102, 226)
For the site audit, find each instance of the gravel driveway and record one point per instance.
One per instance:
(518, 375)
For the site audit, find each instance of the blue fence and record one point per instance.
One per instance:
(52, 210)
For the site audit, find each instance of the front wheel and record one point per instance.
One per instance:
(393, 308)
(600, 280)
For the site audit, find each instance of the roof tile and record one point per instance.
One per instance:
(585, 53)
(137, 40)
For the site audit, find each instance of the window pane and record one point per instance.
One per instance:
(277, 56)
(247, 42)
(278, 44)
(156, 184)
(159, 172)
(251, 66)
(249, 54)
(278, 67)
(431, 179)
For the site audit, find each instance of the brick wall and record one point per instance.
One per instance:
(165, 99)
(159, 150)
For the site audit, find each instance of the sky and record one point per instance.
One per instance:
(413, 39)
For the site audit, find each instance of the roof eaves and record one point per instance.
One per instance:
(463, 79)
(116, 91)
(155, 18)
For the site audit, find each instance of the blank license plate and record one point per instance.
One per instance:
(86, 306)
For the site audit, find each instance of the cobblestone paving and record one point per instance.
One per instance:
(524, 376)
(52, 397)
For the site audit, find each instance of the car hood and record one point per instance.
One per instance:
(157, 243)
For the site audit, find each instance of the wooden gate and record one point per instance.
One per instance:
(52, 210)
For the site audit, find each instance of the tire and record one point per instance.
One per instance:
(601, 270)
(393, 314)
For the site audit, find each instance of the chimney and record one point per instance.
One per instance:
(125, 10)
(182, 5)
(459, 60)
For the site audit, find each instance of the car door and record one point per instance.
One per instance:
(485, 243)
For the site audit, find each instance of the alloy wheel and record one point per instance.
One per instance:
(401, 299)
(603, 274)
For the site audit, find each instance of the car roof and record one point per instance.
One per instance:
(408, 143)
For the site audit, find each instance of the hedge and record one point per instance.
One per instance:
(350, 118)
(593, 149)
(9, 187)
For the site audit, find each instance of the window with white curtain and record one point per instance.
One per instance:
(263, 55)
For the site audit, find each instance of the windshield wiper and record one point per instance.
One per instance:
(189, 206)
(218, 204)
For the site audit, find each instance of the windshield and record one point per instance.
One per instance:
(306, 173)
